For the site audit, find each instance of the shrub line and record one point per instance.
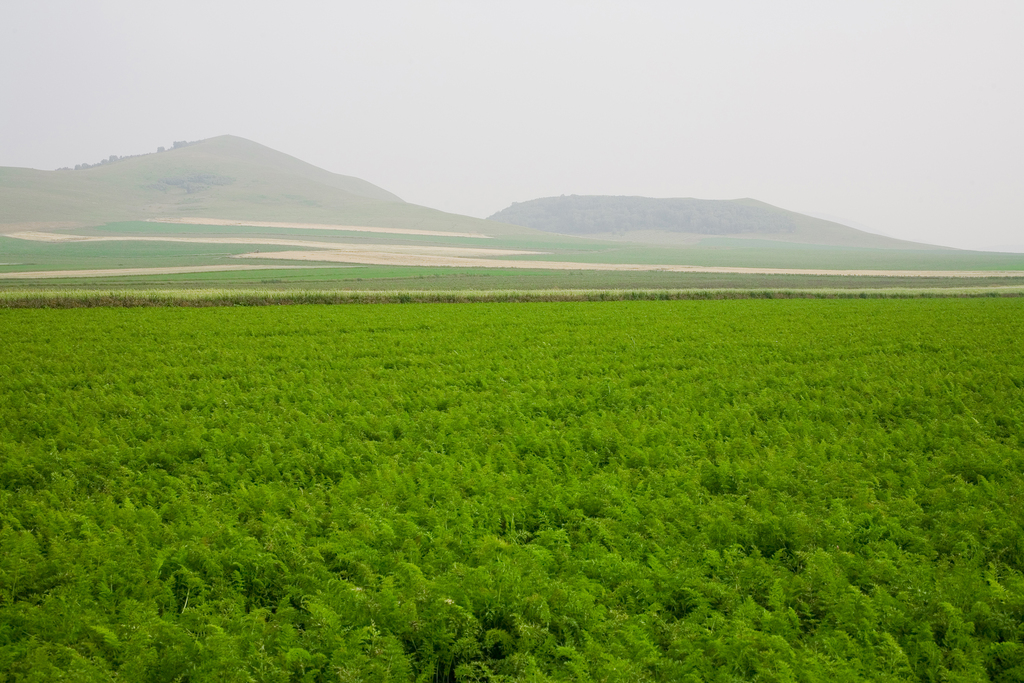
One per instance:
(250, 297)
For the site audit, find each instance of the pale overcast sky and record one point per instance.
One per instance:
(904, 118)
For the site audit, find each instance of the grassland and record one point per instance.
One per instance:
(224, 177)
(621, 491)
(112, 213)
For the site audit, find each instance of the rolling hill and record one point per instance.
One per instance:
(225, 177)
(683, 221)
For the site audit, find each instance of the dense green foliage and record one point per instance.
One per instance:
(720, 490)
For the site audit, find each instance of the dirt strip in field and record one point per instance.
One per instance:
(275, 241)
(315, 226)
(115, 272)
(37, 236)
(393, 259)
(40, 225)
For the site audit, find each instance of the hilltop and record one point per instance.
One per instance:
(225, 177)
(680, 221)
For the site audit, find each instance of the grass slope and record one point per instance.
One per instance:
(223, 177)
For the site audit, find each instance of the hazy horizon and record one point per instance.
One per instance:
(900, 120)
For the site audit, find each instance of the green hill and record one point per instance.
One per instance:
(225, 177)
(686, 221)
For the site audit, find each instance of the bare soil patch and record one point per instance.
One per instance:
(40, 225)
(37, 236)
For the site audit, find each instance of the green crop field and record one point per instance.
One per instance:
(796, 490)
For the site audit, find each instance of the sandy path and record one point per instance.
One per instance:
(40, 225)
(36, 236)
(275, 241)
(314, 226)
(113, 272)
(393, 259)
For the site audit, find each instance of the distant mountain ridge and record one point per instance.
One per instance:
(676, 220)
